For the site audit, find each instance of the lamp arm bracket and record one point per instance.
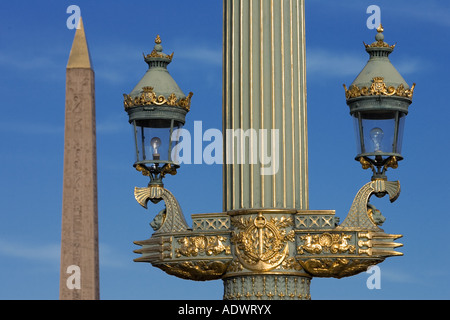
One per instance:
(174, 220)
(358, 216)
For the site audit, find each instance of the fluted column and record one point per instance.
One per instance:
(265, 96)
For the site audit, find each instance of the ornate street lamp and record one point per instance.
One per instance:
(156, 108)
(267, 243)
(379, 99)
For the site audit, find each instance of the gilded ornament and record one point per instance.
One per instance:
(209, 245)
(156, 54)
(235, 266)
(198, 270)
(272, 287)
(291, 264)
(174, 219)
(379, 43)
(326, 243)
(261, 244)
(158, 39)
(337, 267)
(143, 170)
(148, 97)
(365, 163)
(172, 100)
(358, 217)
(168, 169)
(392, 163)
(378, 244)
(378, 87)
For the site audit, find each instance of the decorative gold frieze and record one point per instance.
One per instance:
(209, 245)
(326, 243)
(291, 264)
(261, 244)
(378, 87)
(235, 266)
(148, 97)
(267, 287)
(198, 270)
(379, 44)
(337, 267)
(156, 54)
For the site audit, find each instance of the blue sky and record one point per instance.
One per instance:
(34, 48)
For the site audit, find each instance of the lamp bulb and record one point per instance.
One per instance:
(155, 143)
(376, 134)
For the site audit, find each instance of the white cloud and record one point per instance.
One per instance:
(51, 253)
(19, 62)
(32, 251)
(411, 66)
(399, 276)
(109, 257)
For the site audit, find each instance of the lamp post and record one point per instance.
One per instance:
(267, 244)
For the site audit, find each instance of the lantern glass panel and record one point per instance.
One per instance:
(379, 133)
(401, 128)
(153, 140)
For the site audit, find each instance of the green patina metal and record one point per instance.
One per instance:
(156, 106)
(378, 95)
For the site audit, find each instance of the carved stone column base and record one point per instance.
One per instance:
(267, 287)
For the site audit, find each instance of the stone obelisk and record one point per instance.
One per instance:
(79, 274)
